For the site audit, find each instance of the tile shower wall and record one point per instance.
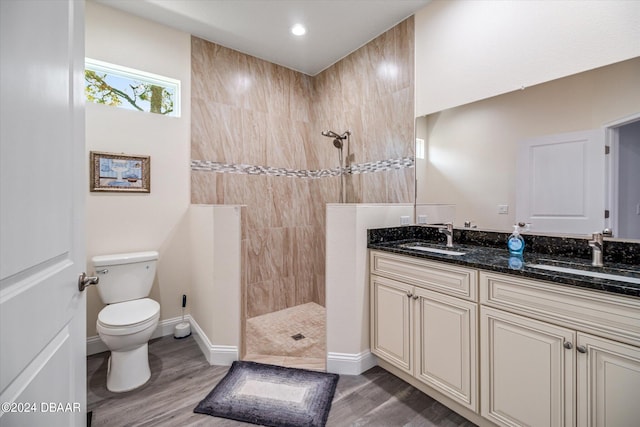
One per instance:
(255, 140)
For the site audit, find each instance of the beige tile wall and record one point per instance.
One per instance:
(248, 111)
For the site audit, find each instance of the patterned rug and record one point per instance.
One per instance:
(271, 395)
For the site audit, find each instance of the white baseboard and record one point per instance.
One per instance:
(223, 355)
(215, 354)
(350, 364)
(165, 327)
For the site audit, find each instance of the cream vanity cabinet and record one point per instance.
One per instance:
(424, 322)
(557, 356)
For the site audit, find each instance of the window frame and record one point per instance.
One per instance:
(143, 76)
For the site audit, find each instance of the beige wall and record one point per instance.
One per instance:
(471, 149)
(471, 50)
(133, 222)
(248, 111)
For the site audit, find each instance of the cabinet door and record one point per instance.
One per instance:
(446, 345)
(391, 328)
(527, 375)
(608, 382)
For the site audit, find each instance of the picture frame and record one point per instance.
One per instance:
(120, 173)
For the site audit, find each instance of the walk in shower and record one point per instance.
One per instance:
(261, 147)
(296, 336)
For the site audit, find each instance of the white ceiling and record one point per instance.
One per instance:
(261, 28)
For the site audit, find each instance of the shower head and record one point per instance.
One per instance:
(337, 139)
(330, 134)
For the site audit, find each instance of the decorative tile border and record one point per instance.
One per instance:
(381, 165)
(369, 167)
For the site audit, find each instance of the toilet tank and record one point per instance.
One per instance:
(125, 277)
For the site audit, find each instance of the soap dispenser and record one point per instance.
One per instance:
(515, 243)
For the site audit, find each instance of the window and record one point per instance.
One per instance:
(131, 89)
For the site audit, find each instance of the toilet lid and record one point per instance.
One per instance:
(128, 312)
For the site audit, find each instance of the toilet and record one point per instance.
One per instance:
(125, 325)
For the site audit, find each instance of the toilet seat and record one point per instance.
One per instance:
(128, 317)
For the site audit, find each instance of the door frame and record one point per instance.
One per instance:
(612, 140)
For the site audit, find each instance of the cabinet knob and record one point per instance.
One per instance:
(581, 349)
(568, 345)
(409, 294)
(416, 297)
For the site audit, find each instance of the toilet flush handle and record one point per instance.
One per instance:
(84, 281)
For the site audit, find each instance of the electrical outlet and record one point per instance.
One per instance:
(503, 209)
(422, 219)
(404, 220)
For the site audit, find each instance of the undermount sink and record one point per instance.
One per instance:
(433, 250)
(589, 273)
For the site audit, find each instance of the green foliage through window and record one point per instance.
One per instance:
(131, 89)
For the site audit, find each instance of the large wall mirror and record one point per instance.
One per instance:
(471, 152)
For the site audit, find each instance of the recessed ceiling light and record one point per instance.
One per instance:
(298, 30)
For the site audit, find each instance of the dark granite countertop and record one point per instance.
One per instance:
(492, 258)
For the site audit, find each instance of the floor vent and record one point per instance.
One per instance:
(297, 337)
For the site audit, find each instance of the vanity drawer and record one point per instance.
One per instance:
(445, 278)
(614, 316)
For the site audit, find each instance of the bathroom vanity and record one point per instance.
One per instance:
(501, 341)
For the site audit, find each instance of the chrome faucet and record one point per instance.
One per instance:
(447, 230)
(596, 243)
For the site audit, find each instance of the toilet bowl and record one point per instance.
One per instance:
(126, 324)
(126, 328)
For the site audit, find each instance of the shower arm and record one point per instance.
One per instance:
(332, 134)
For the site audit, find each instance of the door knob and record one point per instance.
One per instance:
(84, 281)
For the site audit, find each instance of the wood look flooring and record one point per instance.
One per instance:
(181, 377)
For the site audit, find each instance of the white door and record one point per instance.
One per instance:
(42, 182)
(561, 182)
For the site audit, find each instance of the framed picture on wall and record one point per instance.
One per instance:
(120, 172)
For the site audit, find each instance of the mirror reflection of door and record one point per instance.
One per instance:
(560, 182)
(566, 183)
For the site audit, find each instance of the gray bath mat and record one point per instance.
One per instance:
(271, 395)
